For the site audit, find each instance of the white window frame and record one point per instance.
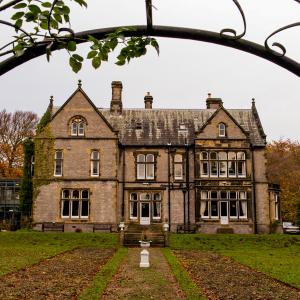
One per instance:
(178, 163)
(95, 160)
(239, 198)
(222, 130)
(78, 126)
(135, 201)
(145, 163)
(155, 200)
(58, 160)
(70, 199)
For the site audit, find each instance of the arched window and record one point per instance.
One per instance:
(78, 126)
(145, 166)
(222, 130)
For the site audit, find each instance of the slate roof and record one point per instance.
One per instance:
(162, 126)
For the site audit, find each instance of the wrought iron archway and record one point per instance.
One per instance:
(226, 37)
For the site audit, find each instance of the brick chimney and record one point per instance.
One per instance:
(116, 98)
(213, 103)
(148, 99)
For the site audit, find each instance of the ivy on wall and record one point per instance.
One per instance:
(42, 149)
(26, 184)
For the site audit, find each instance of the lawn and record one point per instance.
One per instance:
(276, 255)
(22, 248)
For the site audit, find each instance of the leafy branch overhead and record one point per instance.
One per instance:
(44, 23)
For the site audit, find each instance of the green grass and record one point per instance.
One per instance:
(103, 277)
(22, 248)
(186, 284)
(276, 255)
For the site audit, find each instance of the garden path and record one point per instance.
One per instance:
(133, 282)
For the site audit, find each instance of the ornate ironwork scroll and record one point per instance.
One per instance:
(226, 37)
(224, 32)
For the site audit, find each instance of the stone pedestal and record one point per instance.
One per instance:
(144, 263)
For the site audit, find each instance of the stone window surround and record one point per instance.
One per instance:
(155, 154)
(138, 199)
(241, 204)
(178, 163)
(72, 199)
(218, 160)
(222, 130)
(58, 162)
(95, 160)
(78, 121)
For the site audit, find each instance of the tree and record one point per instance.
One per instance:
(39, 24)
(14, 129)
(283, 167)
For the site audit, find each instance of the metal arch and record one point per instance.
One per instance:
(168, 32)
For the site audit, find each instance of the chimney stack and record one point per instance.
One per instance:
(116, 98)
(148, 99)
(213, 103)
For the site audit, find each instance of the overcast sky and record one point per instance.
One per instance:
(184, 72)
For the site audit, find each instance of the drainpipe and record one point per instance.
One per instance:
(253, 192)
(195, 193)
(123, 184)
(184, 204)
(169, 186)
(188, 182)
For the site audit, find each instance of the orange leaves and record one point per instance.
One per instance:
(283, 167)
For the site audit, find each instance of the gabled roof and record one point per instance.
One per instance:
(79, 89)
(162, 126)
(142, 127)
(229, 115)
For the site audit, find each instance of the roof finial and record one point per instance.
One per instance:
(253, 102)
(79, 84)
(50, 106)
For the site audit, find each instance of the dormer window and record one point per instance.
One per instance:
(222, 130)
(78, 125)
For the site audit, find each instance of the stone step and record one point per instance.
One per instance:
(132, 239)
(225, 230)
(144, 228)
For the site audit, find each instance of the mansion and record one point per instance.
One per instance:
(204, 168)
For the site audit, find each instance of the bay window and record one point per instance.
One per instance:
(210, 204)
(222, 164)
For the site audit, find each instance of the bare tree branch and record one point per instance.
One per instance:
(17, 28)
(9, 4)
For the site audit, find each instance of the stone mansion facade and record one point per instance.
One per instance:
(193, 167)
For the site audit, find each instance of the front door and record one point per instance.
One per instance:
(145, 213)
(224, 212)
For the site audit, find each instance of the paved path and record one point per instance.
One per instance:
(133, 282)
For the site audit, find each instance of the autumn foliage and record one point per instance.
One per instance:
(283, 167)
(14, 129)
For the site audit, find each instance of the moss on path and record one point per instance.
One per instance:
(133, 282)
